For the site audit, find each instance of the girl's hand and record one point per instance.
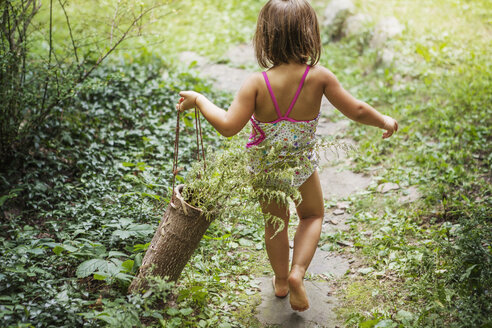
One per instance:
(187, 100)
(390, 125)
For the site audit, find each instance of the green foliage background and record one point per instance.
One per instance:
(79, 208)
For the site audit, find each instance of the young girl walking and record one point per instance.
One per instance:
(283, 106)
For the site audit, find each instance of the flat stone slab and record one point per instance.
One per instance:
(277, 311)
(410, 195)
(340, 183)
(329, 225)
(225, 77)
(188, 57)
(387, 187)
(329, 228)
(328, 264)
(242, 54)
(329, 128)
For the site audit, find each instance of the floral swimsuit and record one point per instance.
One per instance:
(294, 139)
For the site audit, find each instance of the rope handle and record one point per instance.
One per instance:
(199, 144)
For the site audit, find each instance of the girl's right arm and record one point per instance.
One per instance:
(230, 122)
(353, 108)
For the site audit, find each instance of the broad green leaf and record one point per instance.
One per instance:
(70, 248)
(467, 272)
(141, 247)
(369, 323)
(35, 251)
(172, 312)
(327, 247)
(113, 267)
(188, 122)
(62, 296)
(153, 196)
(3, 199)
(127, 164)
(404, 315)
(186, 311)
(141, 229)
(225, 325)
(127, 265)
(100, 276)
(245, 242)
(365, 270)
(123, 234)
(88, 267)
(388, 323)
(58, 250)
(116, 253)
(124, 277)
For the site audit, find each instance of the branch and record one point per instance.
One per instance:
(121, 39)
(14, 26)
(25, 19)
(84, 76)
(49, 55)
(70, 30)
(140, 47)
(114, 21)
(34, 11)
(9, 30)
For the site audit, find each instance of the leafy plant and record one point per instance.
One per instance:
(40, 73)
(74, 205)
(103, 269)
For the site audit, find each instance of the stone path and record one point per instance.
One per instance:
(338, 182)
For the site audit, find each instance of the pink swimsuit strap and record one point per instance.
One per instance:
(275, 103)
(258, 135)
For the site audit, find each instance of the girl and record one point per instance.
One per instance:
(283, 106)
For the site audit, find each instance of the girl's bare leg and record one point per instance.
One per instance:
(278, 247)
(311, 213)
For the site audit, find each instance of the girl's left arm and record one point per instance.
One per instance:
(230, 122)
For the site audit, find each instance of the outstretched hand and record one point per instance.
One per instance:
(390, 125)
(187, 100)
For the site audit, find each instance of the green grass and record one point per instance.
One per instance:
(207, 27)
(437, 249)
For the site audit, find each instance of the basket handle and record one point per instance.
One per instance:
(200, 150)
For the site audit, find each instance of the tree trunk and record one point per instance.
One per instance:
(175, 240)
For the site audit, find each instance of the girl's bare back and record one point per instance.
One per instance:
(284, 80)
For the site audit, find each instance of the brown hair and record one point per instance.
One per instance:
(287, 30)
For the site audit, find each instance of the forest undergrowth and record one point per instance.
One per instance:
(83, 204)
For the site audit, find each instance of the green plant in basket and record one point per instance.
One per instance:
(226, 179)
(225, 185)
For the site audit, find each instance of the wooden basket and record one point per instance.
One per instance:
(175, 240)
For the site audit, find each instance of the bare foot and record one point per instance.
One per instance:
(280, 287)
(298, 297)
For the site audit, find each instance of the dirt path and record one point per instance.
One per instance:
(338, 182)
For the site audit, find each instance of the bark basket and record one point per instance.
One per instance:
(175, 240)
